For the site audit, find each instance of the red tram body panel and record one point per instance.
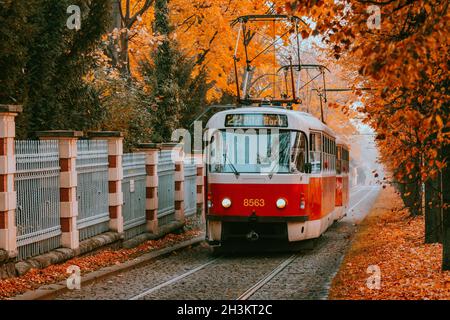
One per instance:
(265, 196)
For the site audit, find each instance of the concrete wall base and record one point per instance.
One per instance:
(10, 268)
(162, 231)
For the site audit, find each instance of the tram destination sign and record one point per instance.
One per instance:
(256, 120)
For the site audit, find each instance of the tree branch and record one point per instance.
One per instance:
(202, 56)
(130, 21)
(381, 3)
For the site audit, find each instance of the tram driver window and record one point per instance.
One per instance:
(299, 155)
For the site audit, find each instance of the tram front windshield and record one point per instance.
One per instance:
(252, 151)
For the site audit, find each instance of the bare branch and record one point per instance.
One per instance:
(379, 3)
(202, 56)
(130, 21)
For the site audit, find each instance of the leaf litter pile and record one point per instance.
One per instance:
(55, 273)
(393, 241)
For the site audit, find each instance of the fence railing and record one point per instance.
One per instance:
(92, 189)
(49, 172)
(37, 186)
(190, 187)
(133, 188)
(166, 188)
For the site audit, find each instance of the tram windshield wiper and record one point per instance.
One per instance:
(236, 173)
(272, 171)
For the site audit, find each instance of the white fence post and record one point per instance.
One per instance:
(8, 229)
(151, 151)
(67, 141)
(198, 154)
(115, 176)
(179, 155)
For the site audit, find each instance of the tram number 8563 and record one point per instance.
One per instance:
(254, 203)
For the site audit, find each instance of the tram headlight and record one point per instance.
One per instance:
(210, 204)
(226, 203)
(281, 203)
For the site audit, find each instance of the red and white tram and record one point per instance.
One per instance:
(272, 174)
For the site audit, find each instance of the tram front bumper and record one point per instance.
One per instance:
(250, 228)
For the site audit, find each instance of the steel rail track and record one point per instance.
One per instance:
(272, 274)
(251, 290)
(173, 280)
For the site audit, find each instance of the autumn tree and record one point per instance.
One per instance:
(44, 62)
(405, 58)
(126, 15)
(121, 101)
(204, 32)
(159, 74)
(14, 40)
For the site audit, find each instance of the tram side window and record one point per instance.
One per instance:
(329, 154)
(333, 155)
(333, 151)
(345, 160)
(315, 154)
(339, 160)
(326, 157)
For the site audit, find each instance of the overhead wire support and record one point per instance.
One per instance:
(268, 90)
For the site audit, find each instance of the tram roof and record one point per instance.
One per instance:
(342, 141)
(297, 120)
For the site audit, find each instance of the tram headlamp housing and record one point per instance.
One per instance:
(226, 203)
(210, 204)
(302, 201)
(281, 203)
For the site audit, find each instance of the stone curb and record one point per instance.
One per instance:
(50, 291)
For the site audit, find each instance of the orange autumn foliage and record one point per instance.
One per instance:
(409, 269)
(203, 30)
(405, 62)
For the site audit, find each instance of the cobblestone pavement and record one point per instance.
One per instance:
(307, 277)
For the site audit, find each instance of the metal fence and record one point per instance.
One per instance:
(92, 189)
(190, 187)
(166, 188)
(133, 188)
(38, 193)
(38, 208)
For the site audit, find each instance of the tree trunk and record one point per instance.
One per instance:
(114, 44)
(446, 209)
(124, 63)
(116, 23)
(410, 191)
(433, 211)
